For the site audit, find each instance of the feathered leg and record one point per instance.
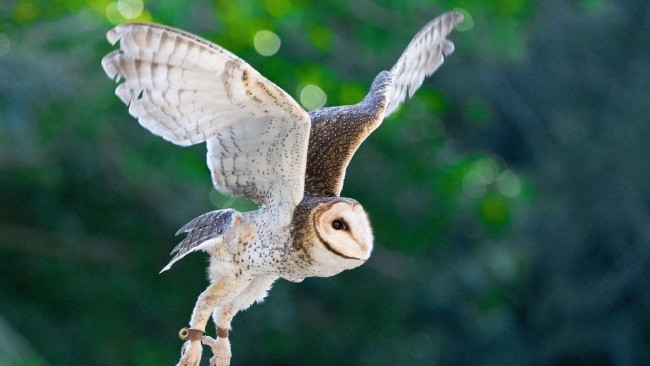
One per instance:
(223, 315)
(220, 345)
(222, 291)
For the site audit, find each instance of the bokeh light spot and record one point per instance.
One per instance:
(482, 173)
(266, 43)
(312, 97)
(486, 169)
(509, 184)
(113, 14)
(130, 9)
(473, 185)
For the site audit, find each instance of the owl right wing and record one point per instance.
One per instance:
(189, 90)
(337, 132)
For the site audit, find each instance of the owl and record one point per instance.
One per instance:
(261, 144)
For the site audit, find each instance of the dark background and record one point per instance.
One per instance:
(510, 198)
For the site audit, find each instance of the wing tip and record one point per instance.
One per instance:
(444, 24)
(168, 266)
(455, 16)
(115, 34)
(171, 262)
(108, 64)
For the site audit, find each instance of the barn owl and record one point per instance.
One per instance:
(263, 145)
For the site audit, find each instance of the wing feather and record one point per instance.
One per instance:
(189, 90)
(202, 233)
(337, 132)
(422, 57)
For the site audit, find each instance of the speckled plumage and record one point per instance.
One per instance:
(261, 144)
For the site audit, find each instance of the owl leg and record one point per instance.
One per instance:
(223, 315)
(222, 291)
(220, 345)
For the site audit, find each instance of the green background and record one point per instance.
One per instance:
(510, 199)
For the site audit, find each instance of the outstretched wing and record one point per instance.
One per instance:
(202, 233)
(189, 90)
(337, 132)
(422, 57)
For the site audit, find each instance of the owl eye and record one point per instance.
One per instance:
(339, 225)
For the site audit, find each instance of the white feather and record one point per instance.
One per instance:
(188, 90)
(422, 57)
(205, 246)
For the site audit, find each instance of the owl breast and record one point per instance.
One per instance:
(325, 236)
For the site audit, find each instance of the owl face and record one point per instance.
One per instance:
(342, 236)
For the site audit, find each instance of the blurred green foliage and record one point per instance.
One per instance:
(510, 197)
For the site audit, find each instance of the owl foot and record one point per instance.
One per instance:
(221, 350)
(191, 353)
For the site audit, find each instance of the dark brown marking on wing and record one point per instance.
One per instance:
(336, 133)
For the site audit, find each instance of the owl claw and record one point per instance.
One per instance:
(190, 354)
(221, 350)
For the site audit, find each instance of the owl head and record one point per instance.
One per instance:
(335, 235)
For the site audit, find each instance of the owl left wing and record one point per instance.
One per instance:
(337, 132)
(204, 232)
(189, 90)
(422, 57)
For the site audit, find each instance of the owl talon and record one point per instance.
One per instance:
(221, 350)
(190, 354)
